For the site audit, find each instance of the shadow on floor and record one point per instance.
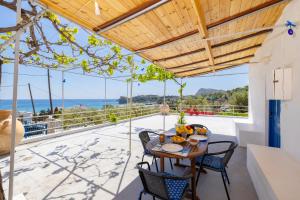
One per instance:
(210, 185)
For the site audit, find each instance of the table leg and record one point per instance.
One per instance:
(177, 161)
(193, 183)
(162, 164)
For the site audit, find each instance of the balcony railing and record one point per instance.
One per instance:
(219, 110)
(80, 118)
(76, 118)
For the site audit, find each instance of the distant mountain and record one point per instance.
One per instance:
(206, 91)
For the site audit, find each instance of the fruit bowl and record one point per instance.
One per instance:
(201, 131)
(183, 129)
(177, 139)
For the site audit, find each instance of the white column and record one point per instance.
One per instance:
(180, 106)
(127, 96)
(14, 105)
(63, 98)
(130, 109)
(164, 121)
(105, 97)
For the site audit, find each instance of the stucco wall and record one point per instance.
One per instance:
(279, 50)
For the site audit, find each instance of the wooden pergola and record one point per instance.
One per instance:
(183, 36)
(187, 37)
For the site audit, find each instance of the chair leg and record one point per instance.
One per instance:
(143, 158)
(226, 176)
(198, 175)
(171, 163)
(153, 198)
(155, 163)
(140, 197)
(222, 174)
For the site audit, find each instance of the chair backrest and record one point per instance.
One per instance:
(229, 152)
(153, 182)
(144, 137)
(194, 126)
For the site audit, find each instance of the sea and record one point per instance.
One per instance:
(24, 105)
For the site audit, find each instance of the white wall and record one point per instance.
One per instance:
(278, 50)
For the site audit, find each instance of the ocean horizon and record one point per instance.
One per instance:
(24, 105)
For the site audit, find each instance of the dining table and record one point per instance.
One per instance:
(189, 152)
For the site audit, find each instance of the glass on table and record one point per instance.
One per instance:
(162, 138)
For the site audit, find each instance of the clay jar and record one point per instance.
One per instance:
(5, 131)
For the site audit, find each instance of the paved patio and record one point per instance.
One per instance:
(95, 164)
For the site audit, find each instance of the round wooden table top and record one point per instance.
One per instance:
(191, 151)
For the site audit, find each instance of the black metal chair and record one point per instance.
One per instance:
(164, 186)
(197, 126)
(216, 162)
(145, 138)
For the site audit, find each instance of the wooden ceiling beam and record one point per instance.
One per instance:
(180, 55)
(131, 14)
(216, 45)
(219, 56)
(203, 67)
(192, 63)
(245, 13)
(210, 71)
(242, 38)
(203, 29)
(220, 22)
(238, 51)
(188, 34)
(236, 59)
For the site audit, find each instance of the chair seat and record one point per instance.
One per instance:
(213, 162)
(176, 188)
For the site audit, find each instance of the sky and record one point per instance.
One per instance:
(87, 87)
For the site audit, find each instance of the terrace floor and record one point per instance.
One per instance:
(95, 164)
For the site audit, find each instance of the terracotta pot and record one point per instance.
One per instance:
(2, 197)
(5, 131)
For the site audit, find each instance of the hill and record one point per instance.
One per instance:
(206, 91)
(237, 96)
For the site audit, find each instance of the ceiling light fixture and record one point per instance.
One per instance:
(97, 8)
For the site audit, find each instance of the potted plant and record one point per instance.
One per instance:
(113, 118)
(180, 126)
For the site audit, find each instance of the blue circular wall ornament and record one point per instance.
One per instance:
(290, 25)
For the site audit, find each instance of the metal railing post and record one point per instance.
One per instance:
(14, 105)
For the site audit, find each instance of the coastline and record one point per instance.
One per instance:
(24, 105)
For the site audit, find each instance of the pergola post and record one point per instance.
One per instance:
(63, 98)
(164, 116)
(14, 105)
(180, 105)
(105, 97)
(130, 109)
(127, 97)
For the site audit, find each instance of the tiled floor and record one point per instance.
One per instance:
(96, 165)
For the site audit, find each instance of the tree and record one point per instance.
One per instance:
(51, 43)
(239, 98)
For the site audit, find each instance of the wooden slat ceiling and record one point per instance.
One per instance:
(170, 33)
